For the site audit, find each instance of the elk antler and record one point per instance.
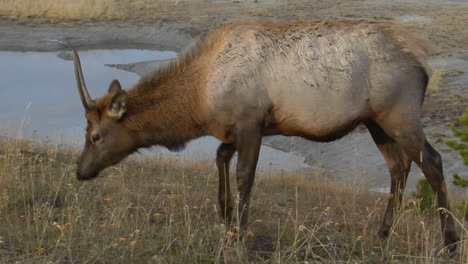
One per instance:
(86, 99)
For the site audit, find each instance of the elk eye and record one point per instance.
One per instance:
(96, 138)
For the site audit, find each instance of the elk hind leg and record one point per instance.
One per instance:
(430, 163)
(406, 129)
(398, 164)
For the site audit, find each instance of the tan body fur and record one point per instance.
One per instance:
(307, 79)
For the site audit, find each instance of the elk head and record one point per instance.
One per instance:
(107, 140)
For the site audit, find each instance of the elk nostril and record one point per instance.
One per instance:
(81, 176)
(85, 176)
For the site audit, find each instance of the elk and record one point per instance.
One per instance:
(317, 80)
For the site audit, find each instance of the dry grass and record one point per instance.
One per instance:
(59, 10)
(162, 211)
(436, 80)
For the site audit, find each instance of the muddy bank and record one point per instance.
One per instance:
(143, 68)
(169, 25)
(93, 35)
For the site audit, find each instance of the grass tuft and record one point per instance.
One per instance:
(436, 80)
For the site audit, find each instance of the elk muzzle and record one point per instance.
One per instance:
(88, 165)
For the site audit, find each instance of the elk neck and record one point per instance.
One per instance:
(165, 108)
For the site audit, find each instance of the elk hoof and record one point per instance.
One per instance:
(451, 240)
(383, 233)
(451, 247)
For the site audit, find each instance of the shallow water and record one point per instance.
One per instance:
(39, 88)
(38, 97)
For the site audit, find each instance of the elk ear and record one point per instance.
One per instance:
(118, 104)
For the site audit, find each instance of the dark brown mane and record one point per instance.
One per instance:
(153, 90)
(175, 66)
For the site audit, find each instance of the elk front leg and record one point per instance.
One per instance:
(223, 159)
(248, 141)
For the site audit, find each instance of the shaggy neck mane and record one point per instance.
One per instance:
(165, 107)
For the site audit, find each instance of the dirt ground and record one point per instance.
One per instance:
(173, 24)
